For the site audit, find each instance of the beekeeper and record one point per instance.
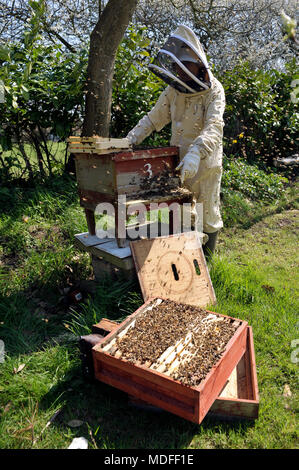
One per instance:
(194, 102)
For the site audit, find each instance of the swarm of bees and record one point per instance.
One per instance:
(162, 184)
(178, 340)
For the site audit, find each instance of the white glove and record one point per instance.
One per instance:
(189, 166)
(143, 129)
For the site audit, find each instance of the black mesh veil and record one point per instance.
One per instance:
(180, 66)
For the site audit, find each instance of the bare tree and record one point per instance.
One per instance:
(229, 30)
(67, 21)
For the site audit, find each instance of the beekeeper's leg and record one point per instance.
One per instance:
(206, 210)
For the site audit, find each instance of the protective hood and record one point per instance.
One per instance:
(182, 63)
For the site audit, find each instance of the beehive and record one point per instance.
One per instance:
(154, 381)
(239, 398)
(105, 171)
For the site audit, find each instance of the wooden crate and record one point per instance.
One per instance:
(158, 389)
(239, 399)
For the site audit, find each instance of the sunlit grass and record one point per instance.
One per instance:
(254, 276)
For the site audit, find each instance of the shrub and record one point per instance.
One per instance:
(251, 182)
(261, 119)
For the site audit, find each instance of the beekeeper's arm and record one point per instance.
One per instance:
(206, 144)
(155, 120)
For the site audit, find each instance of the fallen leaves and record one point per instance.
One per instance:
(268, 289)
(7, 407)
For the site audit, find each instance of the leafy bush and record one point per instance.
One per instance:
(43, 95)
(251, 182)
(261, 119)
(248, 193)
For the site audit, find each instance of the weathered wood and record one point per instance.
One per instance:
(102, 268)
(103, 178)
(166, 268)
(91, 224)
(235, 400)
(106, 249)
(86, 344)
(95, 173)
(104, 327)
(84, 240)
(97, 142)
(154, 387)
(148, 153)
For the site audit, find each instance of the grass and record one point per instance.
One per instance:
(254, 276)
(16, 163)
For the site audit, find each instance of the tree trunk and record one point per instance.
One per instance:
(38, 152)
(46, 150)
(104, 41)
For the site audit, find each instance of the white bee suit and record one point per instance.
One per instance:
(196, 115)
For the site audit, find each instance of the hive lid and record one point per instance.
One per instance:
(97, 144)
(173, 267)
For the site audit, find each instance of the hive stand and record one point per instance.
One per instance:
(106, 257)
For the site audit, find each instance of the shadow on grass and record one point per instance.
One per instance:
(36, 317)
(39, 198)
(109, 421)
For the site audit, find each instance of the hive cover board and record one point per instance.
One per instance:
(173, 267)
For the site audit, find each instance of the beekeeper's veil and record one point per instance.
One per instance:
(170, 64)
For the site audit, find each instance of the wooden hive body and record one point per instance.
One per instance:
(191, 403)
(239, 399)
(103, 177)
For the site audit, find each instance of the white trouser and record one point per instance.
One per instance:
(206, 191)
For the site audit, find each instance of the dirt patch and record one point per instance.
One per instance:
(288, 218)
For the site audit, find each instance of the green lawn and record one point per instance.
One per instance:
(255, 278)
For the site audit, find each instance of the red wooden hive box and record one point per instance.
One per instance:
(102, 177)
(240, 396)
(191, 403)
